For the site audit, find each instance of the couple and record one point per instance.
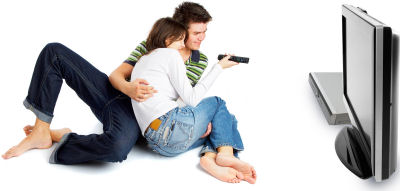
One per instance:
(126, 109)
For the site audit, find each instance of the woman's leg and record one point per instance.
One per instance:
(226, 174)
(225, 137)
(226, 158)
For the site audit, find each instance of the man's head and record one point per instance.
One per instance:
(195, 18)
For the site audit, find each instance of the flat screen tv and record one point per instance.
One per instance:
(369, 146)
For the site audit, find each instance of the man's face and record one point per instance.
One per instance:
(197, 33)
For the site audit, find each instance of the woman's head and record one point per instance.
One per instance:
(166, 32)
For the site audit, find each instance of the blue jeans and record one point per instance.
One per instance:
(121, 131)
(181, 129)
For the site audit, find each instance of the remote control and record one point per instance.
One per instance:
(235, 58)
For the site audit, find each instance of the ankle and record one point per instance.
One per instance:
(41, 124)
(225, 150)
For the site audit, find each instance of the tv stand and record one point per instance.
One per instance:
(352, 152)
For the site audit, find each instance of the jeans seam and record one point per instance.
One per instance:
(85, 80)
(108, 103)
(42, 82)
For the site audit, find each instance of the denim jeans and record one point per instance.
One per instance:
(55, 63)
(181, 129)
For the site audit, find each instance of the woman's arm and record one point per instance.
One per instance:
(137, 89)
(193, 95)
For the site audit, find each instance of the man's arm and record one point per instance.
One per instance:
(137, 89)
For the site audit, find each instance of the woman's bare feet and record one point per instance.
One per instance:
(230, 161)
(225, 174)
(55, 134)
(38, 138)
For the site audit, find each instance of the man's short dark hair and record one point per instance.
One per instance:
(189, 12)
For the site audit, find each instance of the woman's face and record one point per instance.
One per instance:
(178, 44)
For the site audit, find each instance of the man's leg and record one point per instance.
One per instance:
(121, 132)
(56, 134)
(55, 63)
(38, 139)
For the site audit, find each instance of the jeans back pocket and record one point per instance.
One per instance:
(179, 136)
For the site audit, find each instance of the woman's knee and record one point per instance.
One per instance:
(220, 100)
(214, 99)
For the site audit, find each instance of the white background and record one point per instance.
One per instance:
(285, 134)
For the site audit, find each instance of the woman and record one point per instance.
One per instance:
(171, 130)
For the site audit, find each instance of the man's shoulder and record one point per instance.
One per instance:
(198, 56)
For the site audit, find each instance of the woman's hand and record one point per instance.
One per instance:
(209, 128)
(225, 63)
(139, 90)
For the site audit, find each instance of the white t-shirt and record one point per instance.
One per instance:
(165, 70)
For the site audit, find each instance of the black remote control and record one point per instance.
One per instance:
(235, 58)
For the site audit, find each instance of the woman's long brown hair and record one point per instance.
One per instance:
(163, 29)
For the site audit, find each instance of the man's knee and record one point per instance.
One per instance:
(54, 46)
(117, 152)
(121, 146)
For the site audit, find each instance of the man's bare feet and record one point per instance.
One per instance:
(230, 161)
(225, 174)
(55, 134)
(38, 138)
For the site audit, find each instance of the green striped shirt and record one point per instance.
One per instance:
(195, 65)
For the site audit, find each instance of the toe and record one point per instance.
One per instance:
(254, 173)
(240, 175)
(7, 155)
(250, 180)
(28, 128)
(234, 180)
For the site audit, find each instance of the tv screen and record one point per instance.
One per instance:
(359, 72)
(368, 148)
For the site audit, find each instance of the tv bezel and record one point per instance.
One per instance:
(379, 147)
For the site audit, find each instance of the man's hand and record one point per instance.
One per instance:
(209, 127)
(139, 90)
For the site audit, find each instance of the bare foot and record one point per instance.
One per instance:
(55, 134)
(38, 138)
(225, 174)
(230, 161)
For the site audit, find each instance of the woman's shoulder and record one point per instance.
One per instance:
(166, 52)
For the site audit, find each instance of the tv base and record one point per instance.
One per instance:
(352, 153)
(328, 90)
